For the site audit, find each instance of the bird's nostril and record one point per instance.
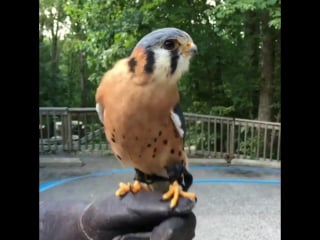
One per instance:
(194, 50)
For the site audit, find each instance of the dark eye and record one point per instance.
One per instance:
(169, 44)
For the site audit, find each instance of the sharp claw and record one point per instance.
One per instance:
(174, 192)
(125, 188)
(136, 187)
(175, 197)
(168, 194)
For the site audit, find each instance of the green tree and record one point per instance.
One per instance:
(237, 72)
(51, 24)
(253, 25)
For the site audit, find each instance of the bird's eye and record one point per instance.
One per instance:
(170, 44)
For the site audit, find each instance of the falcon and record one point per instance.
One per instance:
(137, 102)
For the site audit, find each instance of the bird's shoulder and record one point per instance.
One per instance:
(120, 68)
(119, 72)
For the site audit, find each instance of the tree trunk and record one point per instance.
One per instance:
(219, 89)
(83, 79)
(252, 38)
(267, 71)
(41, 27)
(54, 59)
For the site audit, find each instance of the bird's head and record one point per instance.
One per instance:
(163, 54)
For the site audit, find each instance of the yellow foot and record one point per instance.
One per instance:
(135, 187)
(174, 192)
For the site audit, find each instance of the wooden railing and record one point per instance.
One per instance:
(79, 129)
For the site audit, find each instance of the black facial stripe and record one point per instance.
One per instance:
(150, 62)
(132, 64)
(174, 60)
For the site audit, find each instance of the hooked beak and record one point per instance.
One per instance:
(190, 49)
(193, 50)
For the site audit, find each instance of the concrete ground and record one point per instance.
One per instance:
(240, 201)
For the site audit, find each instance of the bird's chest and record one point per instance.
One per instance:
(141, 132)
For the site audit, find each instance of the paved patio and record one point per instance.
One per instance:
(240, 201)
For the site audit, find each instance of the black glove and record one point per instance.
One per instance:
(139, 216)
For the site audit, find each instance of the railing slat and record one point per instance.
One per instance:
(258, 142)
(279, 141)
(221, 138)
(202, 138)
(265, 143)
(271, 144)
(251, 140)
(41, 132)
(215, 137)
(228, 137)
(209, 137)
(245, 139)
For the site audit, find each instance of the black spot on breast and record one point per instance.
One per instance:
(119, 157)
(137, 138)
(155, 139)
(153, 155)
(165, 142)
(154, 150)
(112, 135)
(113, 140)
(179, 153)
(174, 60)
(123, 136)
(113, 130)
(149, 145)
(148, 67)
(160, 133)
(172, 151)
(132, 64)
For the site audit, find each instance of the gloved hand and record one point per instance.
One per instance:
(139, 216)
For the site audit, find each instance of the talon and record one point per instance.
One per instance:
(174, 192)
(135, 187)
(123, 189)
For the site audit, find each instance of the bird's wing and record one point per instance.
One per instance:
(178, 120)
(100, 111)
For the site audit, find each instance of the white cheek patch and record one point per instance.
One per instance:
(177, 123)
(182, 67)
(100, 111)
(162, 68)
(162, 64)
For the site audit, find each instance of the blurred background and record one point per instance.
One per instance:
(236, 74)
(231, 95)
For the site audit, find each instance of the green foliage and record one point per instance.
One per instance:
(251, 143)
(223, 79)
(205, 108)
(208, 136)
(250, 147)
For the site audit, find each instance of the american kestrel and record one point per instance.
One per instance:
(137, 102)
